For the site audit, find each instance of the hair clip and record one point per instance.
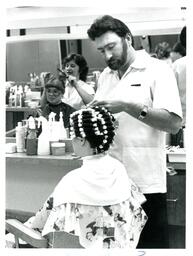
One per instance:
(72, 135)
(83, 134)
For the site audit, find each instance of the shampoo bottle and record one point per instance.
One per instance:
(20, 137)
(44, 137)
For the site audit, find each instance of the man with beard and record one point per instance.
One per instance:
(142, 93)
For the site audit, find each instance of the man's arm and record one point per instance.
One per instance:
(86, 97)
(160, 119)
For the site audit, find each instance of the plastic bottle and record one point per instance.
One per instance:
(54, 129)
(11, 99)
(43, 139)
(31, 141)
(21, 98)
(62, 130)
(20, 138)
(15, 96)
(28, 95)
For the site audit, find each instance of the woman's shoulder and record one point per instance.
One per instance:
(87, 87)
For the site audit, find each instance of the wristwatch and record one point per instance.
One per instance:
(143, 113)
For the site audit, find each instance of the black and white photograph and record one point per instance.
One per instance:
(96, 131)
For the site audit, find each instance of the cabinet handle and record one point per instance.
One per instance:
(174, 200)
(171, 171)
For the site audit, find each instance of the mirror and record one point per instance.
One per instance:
(25, 57)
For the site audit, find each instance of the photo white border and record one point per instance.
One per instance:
(189, 174)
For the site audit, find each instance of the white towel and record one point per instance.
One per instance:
(102, 180)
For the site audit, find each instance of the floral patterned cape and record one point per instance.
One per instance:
(98, 203)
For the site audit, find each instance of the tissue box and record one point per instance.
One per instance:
(177, 156)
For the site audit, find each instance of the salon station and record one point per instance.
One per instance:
(38, 39)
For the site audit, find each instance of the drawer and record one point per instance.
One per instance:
(176, 198)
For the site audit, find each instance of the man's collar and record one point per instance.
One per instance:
(140, 62)
(141, 59)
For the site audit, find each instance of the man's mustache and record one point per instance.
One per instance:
(111, 60)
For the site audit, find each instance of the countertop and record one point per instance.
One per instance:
(68, 157)
(19, 109)
(53, 160)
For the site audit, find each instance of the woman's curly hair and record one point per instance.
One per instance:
(81, 62)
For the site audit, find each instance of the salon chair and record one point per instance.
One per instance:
(34, 239)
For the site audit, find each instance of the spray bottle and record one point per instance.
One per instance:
(44, 137)
(54, 128)
(21, 97)
(62, 130)
(31, 141)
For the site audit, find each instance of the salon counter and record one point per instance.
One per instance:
(30, 179)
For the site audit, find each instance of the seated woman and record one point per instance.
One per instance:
(77, 93)
(54, 90)
(97, 202)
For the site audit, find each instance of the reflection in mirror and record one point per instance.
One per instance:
(39, 56)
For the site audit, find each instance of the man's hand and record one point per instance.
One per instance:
(111, 105)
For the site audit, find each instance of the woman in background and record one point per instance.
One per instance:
(54, 90)
(77, 92)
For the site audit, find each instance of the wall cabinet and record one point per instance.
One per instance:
(176, 198)
(34, 56)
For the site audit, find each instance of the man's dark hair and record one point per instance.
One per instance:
(108, 23)
(183, 36)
